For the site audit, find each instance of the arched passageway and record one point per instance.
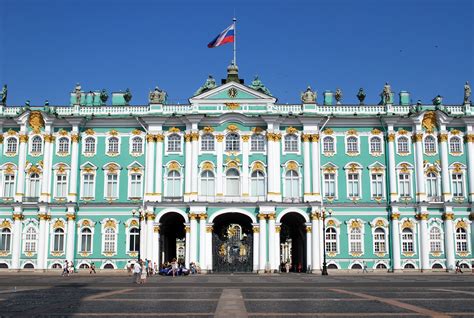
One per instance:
(293, 243)
(172, 237)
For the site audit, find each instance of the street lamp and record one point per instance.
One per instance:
(323, 216)
(141, 215)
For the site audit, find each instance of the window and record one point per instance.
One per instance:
(58, 240)
(12, 145)
(352, 145)
(458, 186)
(88, 185)
(232, 182)
(134, 242)
(407, 240)
(377, 185)
(207, 183)
(207, 142)
(61, 186)
(292, 186)
(375, 145)
(330, 185)
(36, 144)
(455, 145)
(435, 240)
(137, 145)
(461, 240)
(173, 183)
(430, 144)
(404, 187)
(174, 143)
(135, 185)
(111, 189)
(232, 142)
(379, 240)
(402, 145)
(257, 142)
(89, 145)
(432, 185)
(353, 185)
(30, 240)
(109, 240)
(291, 143)
(355, 238)
(5, 240)
(8, 185)
(34, 185)
(328, 144)
(331, 240)
(86, 240)
(63, 145)
(113, 146)
(257, 184)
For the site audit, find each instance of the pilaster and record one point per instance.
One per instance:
(17, 234)
(20, 185)
(443, 146)
(208, 264)
(391, 166)
(159, 167)
(245, 166)
(420, 175)
(156, 245)
(193, 237)
(188, 157)
(71, 233)
(219, 159)
(449, 237)
(187, 229)
(470, 166)
(203, 242)
(395, 216)
(194, 165)
(256, 245)
(316, 167)
(45, 195)
(316, 262)
(424, 239)
(273, 157)
(42, 239)
(149, 168)
(271, 242)
(308, 195)
(263, 243)
(308, 248)
(72, 195)
(150, 218)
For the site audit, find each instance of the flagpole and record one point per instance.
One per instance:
(235, 41)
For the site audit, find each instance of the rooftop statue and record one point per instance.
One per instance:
(258, 86)
(92, 96)
(78, 92)
(309, 96)
(208, 85)
(3, 99)
(467, 93)
(437, 100)
(127, 96)
(103, 96)
(361, 96)
(386, 94)
(338, 96)
(158, 96)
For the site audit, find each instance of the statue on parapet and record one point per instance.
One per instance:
(258, 86)
(157, 96)
(103, 96)
(3, 99)
(361, 96)
(386, 94)
(78, 92)
(92, 97)
(127, 96)
(208, 85)
(467, 93)
(308, 96)
(338, 96)
(437, 101)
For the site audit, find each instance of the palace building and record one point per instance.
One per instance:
(236, 182)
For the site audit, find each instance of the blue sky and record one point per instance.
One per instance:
(422, 46)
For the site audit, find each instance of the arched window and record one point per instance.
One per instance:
(375, 145)
(409, 266)
(331, 240)
(109, 266)
(437, 266)
(84, 266)
(430, 144)
(173, 184)
(8, 185)
(58, 240)
(12, 145)
(407, 240)
(63, 145)
(432, 185)
(174, 143)
(5, 240)
(232, 182)
(356, 266)
(34, 185)
(352, 145)
(113, 146)
(257, 142)
(435, 240)
(291, 143)
(134, 242)
(207, 142)
(137, 145)
(379, 240)
(461, 240)
(232, 142)
(135, 185)
(36, 144)
(30, 240)
(88, 185)
(292, 186)
(455, 145)
(86, 240)
(207, 183)
(355, 237)
(328, 144)
(61, 185)
(257, 184)
(89, 145)
(381, 266)
(457, 184)
(402, 145)
(109, 240)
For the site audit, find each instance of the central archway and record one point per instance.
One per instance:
(172, 237)
(293, 242)
(232, 243)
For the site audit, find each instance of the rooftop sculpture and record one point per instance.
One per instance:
(258, 86)
(309, 96)
(157, 96)
(208, 85)
(3, 94)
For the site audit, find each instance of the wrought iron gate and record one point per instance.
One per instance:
(232, 250)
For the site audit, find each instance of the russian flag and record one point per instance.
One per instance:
(226, 36)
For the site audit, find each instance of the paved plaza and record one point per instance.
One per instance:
(374, 295)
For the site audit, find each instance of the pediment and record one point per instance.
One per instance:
(230, 92)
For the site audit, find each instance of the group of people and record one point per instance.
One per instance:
(177, 268)
(142, 269)
(68, 268)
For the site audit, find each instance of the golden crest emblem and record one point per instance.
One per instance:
(232, 92)
(36, 121)
(429, 121)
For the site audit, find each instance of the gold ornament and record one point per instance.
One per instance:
(448, 216)
(206, 166)
(328, 131)
(418, 137)
(5, 224)
(469, 138)
(220, 138)
(395, 216)
(355, 224)
(305, 137)
(136, 132)
(291, 130)
(159, 138)
(173, 166)
(292, 165)
(89, 132)
(257, 130)
(58, 224)
(443, 137)
(174, 130)
(208, 129)
(113, 132)
(75, 138)
(232, 106)
(23, 138)
(245, 138)
(258, 166)
(376, 131)
(391, 137)
(315, 137)
(36, 121)
(351, 132)
(232, 128)
(429, 121)
(402, 132)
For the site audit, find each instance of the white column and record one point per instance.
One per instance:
(449, 238)
(188, 156)
(420, 175)
(306, 167)
(159, 167)
(202, 241)
(17, 233)
(149, 168)
(72, 195)
(143, 237)
(193, 238)
(256, 255)
(316, 167)
(424, 241)
(263, 243)
(470, 166)
(321, 241)
(219, 160)
(156, 245)
(150, 218)
(41, 240)
(195, 165)
(245, 166)
(71, 232)
(443, 146)
(308, 248)
(391, 167)
(316, 263)
(187, 229)
(209, 247)
(396, 241)
(46, 177)
(20, 185)
(271, 242)
(276, 245)
(274, 175)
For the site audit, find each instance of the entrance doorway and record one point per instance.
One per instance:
(232, 243)
(172, 237)
(293, 243)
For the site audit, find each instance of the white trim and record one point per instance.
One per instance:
(298, 144)
(346, 150)
(171, 210)
(232, 210)
(112, 154)
(329, 153)
(409, 145)
(293, 210)
(382, 149)
(130, 146)
(181, 144)
(30, 145)
(430, 154)
(5, 146)
(362, 235)
(83, 145)
(63, 154)
(359, 172)
(461, 147)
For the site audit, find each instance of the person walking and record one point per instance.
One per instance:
(136, 272)
(92, 268)
(65, 269)
(174, 267)
(458, 268)
(364, 267)
(129, 268)
(143, 274)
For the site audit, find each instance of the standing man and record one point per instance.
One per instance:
(136, 272)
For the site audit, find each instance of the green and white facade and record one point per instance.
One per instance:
(396, 182)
